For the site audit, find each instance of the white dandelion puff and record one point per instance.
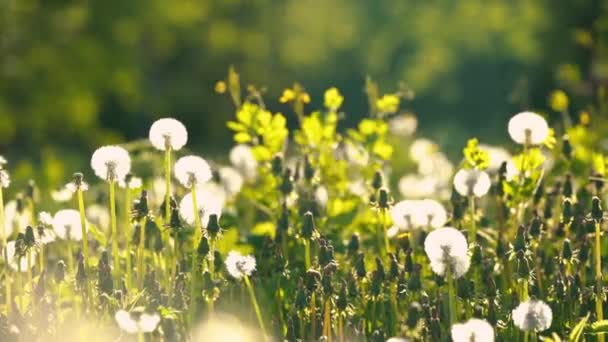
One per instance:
(242, 158)
(528, 128)
(421, 148)
(132, 183)
(63, 194)
(13, 219)
(533, 315)
(409, 214)
(239, 265)
(3, 161)
(403, 125)
(73, 187)
(405, 214)
(5, 179)
(231, 181)
(447, 247)
(66, 224)
(473, 330)
(131, 324)
(192, 170)
(207, 202)
(111, 162)
(472, 182)
(45, 218)
(168, 132)
(321, 196)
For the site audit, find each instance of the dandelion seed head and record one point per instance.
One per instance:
(231, 181)
(472, 182)
(73, 187)
(533, 315)
(528, 127)
(168, 132)
(148, 322)
(397, 339)
(447, 247)
(111, 162)
(5, 179)
(133, 183)
(13, 219)
(61, 195)
(421, 148)
(3, 161)
(66, 224)
(410, 214)
(192, 170)
(208, 203)
(321, 196)
(403, 125)
(223, 328)
(242, 158)
(473, 330)
(45, 218)
(239, 265)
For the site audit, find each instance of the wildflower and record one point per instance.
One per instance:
(403, 125)
(131, 182)
(528, 128)
(242, 158)
(333, 99)
(192, 170)
(111, 162)
(144, 323)
(168, 132)
(533, 315)
(207, 204)
(558, 100)
(66, 224)
(239, 265)
(5, 179)
(388, 103)
(472, 182)
(447, 247)
(77, 183)
(474, 330)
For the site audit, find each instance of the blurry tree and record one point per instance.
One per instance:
(77, 74)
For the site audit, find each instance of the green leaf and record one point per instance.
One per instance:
(599, 327)
(577, 332)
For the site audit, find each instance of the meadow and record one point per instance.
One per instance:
(316, 232)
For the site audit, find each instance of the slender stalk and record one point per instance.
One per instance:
(473, 231)
(141, 251)
(41, 258)
(114, 236)
(327, 321)
(194, 274)
(451, 296)
(83, 227)
(167, 182)
(127, 234)
(384, 230)
(256, 307)
(599, 308)
(340, 329)
(140, 336)
(307, 254)
(7, 274)
(313, 315)
(211, 266)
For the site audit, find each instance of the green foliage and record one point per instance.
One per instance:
(474, 157)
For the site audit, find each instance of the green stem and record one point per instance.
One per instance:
(211, 266)
(167, 183)
(141, 252)
(83, 227)
(384, 230)
(313, 315)
(114, 236)
(451, 297)
(194, 274)
(599, 309)
(307, 254)
(127, 235)
(140, 336)
(7, 274)
(473, 231)
(256, 307)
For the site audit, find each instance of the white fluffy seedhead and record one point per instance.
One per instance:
(528, 128)
(168, 132)
(111, 163)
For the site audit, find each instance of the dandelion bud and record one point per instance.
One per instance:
(414, 313)
(342, 301)
(360, 265)
(287, 183)
(523, 267)
(353, 291)
(567, 212)
(567, 250)
(353, 244)
(81, 275)
(218, 261)
(283, 222)
(308, 227)
(566, 147)
(312, 280)
(276, 165)
(477, 255)
(393, 272)
(213, 226)
(583, 252)
(409, 262)
(378, 180)
(520, 240)
(29, 238)
(309, 170)
(535, 226)
(539, 192)
(60, 271)
(203, 247)
(404, 242)
(383, 200)
(326, 281)
(414, 283)
(596, 209)
(567, 189)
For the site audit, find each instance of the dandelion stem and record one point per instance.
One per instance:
(313, 316)
(451, 296)
(340, 328)
(141, 251)
(127, 235)
(114, 236)
(211, 266)
(194, 272)
(599, 308)
(307, 254)
(167, 182)
(327, 321)
(7, 274)
(473, 231)
(83, 227)
(140, 336)
(256, 307)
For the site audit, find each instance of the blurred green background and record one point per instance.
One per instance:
(78, 74)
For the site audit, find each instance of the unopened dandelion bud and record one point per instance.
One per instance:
(353, 291)
(596, 209)
(213, 227)
(409, 262)
(523, 267)
(360, 265)
(567, 250)
(308, 227)
(203, 247)
(29, 238)
(342, 300)
(465, 288)
(567, 189)
(378, 180)
(312, 280)
(277, 165)
(380, 269)
(477, 255)
(383, 200)
(414, 313)
(566, 147)
(539, 192)
(287, 183)
(535, 226)
(583, 252)
(567, 211)
(404, 242)
(283, 222)
(81, 275)
(353, 244)
(393, 272)
(309, 170)
(218, 261)
(60, 271)
(414, 282)
(520, 239)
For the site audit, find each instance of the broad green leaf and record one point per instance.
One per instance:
(577, 332)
